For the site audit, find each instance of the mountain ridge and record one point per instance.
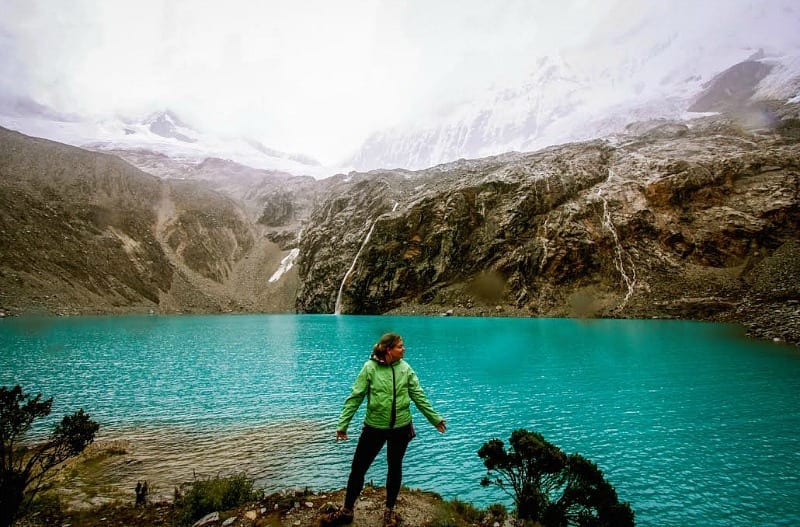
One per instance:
(83, 232)
(162, 132)
(669, 218)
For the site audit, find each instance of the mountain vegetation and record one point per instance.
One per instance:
(534, 468)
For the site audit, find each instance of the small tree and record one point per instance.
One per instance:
(550, 487)
(23, 467)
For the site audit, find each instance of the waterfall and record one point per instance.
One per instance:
(544, 240)
(337, 310)
(630, 280)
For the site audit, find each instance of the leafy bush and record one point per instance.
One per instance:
(23, 467)
(551, 487)
(215, 494)
(457, 513)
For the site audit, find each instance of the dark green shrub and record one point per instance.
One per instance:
(24, 467)
(214, 494)
(550, 487)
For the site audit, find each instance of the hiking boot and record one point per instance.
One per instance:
(390, 518)
(341, 516)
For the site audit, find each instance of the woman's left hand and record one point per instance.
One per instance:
(442, 426)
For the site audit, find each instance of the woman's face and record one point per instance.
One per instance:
(396, 353)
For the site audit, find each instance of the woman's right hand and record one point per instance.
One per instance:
(341, 435)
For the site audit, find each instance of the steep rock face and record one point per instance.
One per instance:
(208, 233)
(458, 234)
(336, 232)
(671, 219)
(732, 88)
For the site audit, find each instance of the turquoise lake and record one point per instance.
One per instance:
(692, 423)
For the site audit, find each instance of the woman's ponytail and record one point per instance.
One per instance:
(387, 342)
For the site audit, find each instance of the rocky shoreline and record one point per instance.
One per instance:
(87, 491)
(291, 508)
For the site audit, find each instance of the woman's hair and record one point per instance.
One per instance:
(387, 342)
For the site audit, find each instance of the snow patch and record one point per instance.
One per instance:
(286, 264)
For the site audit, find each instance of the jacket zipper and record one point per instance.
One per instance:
(393, 417)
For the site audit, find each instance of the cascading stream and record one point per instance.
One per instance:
(337, 310)
(544, 240)
(619, 253)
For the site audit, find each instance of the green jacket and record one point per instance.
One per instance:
(385, 386)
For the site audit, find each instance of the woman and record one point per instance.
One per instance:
(389, 384)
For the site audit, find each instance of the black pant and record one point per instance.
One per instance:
(369, 444)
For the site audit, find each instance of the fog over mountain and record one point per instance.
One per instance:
(661, 67)
(388, 86)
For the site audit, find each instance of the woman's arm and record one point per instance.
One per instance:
(353, 401)
(417, 395)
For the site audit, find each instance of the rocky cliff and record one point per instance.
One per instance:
(82, 232)
(671, 219)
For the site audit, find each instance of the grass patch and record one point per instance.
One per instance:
(457, 513)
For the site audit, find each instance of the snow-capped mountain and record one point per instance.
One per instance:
(559, 104)
(161, 133)
(629, 69)
(167, 124)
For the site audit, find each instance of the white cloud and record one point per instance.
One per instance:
(315, 76)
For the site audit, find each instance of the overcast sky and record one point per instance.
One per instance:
(307, 76)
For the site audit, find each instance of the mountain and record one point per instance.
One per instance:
(160, 133)
(659, 61)
(560, 102)
(167, 124)
(669, 218)
(86, 232)
(273, 198)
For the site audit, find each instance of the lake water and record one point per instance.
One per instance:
(692, 423)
